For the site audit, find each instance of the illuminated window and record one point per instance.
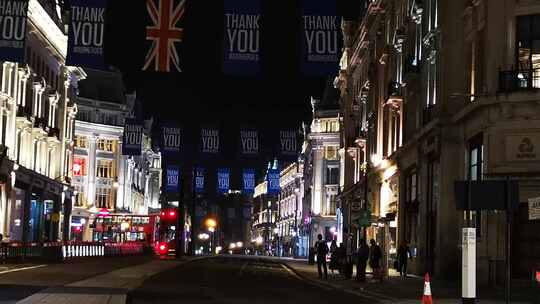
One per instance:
(105, 168)
(104, 198)
(81, 142)
(331, 153)
(107, 145)
(528, 51)
(80, 199)
(332, 175)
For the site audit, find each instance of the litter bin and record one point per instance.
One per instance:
(311, 258)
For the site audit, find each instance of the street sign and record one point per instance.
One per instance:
(534, 208)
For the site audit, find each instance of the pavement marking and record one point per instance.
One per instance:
(22, 268)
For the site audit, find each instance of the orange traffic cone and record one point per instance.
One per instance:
(426, 299)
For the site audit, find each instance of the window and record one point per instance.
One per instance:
(332, 175)
(475, 173)
(80, 199)
(104, 198)
(331, 153)
(528, 51)
(81, 141)
(105, 168)
(79, 166)
(411, 203)
(106, 145)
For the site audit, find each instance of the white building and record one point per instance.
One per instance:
(37, 114)
(104, 178)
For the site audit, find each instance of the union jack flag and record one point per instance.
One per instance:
(164, 33)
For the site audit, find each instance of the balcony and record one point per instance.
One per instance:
(394, 94)
(519, 80)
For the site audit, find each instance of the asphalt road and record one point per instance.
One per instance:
(235, 280)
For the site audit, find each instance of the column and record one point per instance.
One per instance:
(318, 176)
(91, 173)
(121, 164)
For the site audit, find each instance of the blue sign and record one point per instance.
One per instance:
(209, 141)
(13, 16)
(272, 178)
(249, 142)
(321, 37)
(132, 139)
(199, 180)
(248, 181)
(242, 37)
(86, 34)
(171, 141)
(172, 178)
(223, 180)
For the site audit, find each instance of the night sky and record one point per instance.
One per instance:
(202, 95)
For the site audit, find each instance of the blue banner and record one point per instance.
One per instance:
(321, 38)
(248, 181)
(249, 142)
(241, 54)
(132, 139)
(86, 34)
(13, 16)
(223, 180)
(272, 178)
(209, 143)
(172, 179)
(199, 179)
(289, 143)
(171, 141)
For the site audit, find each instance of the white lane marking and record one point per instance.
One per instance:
(22, 268)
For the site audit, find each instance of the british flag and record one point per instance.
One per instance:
(164, 33)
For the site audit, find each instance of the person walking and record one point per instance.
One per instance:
(375, 256)
(334, 263)
(361, 263)
(322, 250)
(403, 253)
(348, 267)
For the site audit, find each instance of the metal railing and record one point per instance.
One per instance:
(516, 80)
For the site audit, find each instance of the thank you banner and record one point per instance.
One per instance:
(223, 180)
(289, 143)
(172, 179)
(248, 181)
(13, 16)
(171, 140)
(321, 37)
(86, 33)
(242, 36)
(199, 179)
(209, 141)
(272, 178)
(132, 140)
(249, 142)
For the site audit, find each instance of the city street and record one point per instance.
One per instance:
(235, 280)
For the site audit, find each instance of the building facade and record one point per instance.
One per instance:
(36, 130)
(438, 92)
(263, 223)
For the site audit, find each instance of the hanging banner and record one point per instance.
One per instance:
(289, 143)
(171, 141)
(223, 180)
(86, 34)
(272, 178)
(13, 16)
(199, 179)
(209, 143)
(241, 53)
(172, 178)
(132, 139)
(164, 35)
(321, 37)
(248, 181)
(249, 142)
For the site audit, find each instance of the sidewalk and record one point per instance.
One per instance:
(109, 288)
(409, 290)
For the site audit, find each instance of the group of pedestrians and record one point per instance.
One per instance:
(341, 258)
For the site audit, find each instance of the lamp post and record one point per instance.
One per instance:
(211, 225)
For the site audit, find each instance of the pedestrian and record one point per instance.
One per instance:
(361, 263)
(375, 256)
(334, 263)
(348, 267)
(403, 253)
(322, 250)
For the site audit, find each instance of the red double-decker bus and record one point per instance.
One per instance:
(167, 232)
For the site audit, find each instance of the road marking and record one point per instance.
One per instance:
(22, 268)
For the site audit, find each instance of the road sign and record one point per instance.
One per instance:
(534, 208)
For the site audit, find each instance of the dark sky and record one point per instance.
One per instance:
(202, 95)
